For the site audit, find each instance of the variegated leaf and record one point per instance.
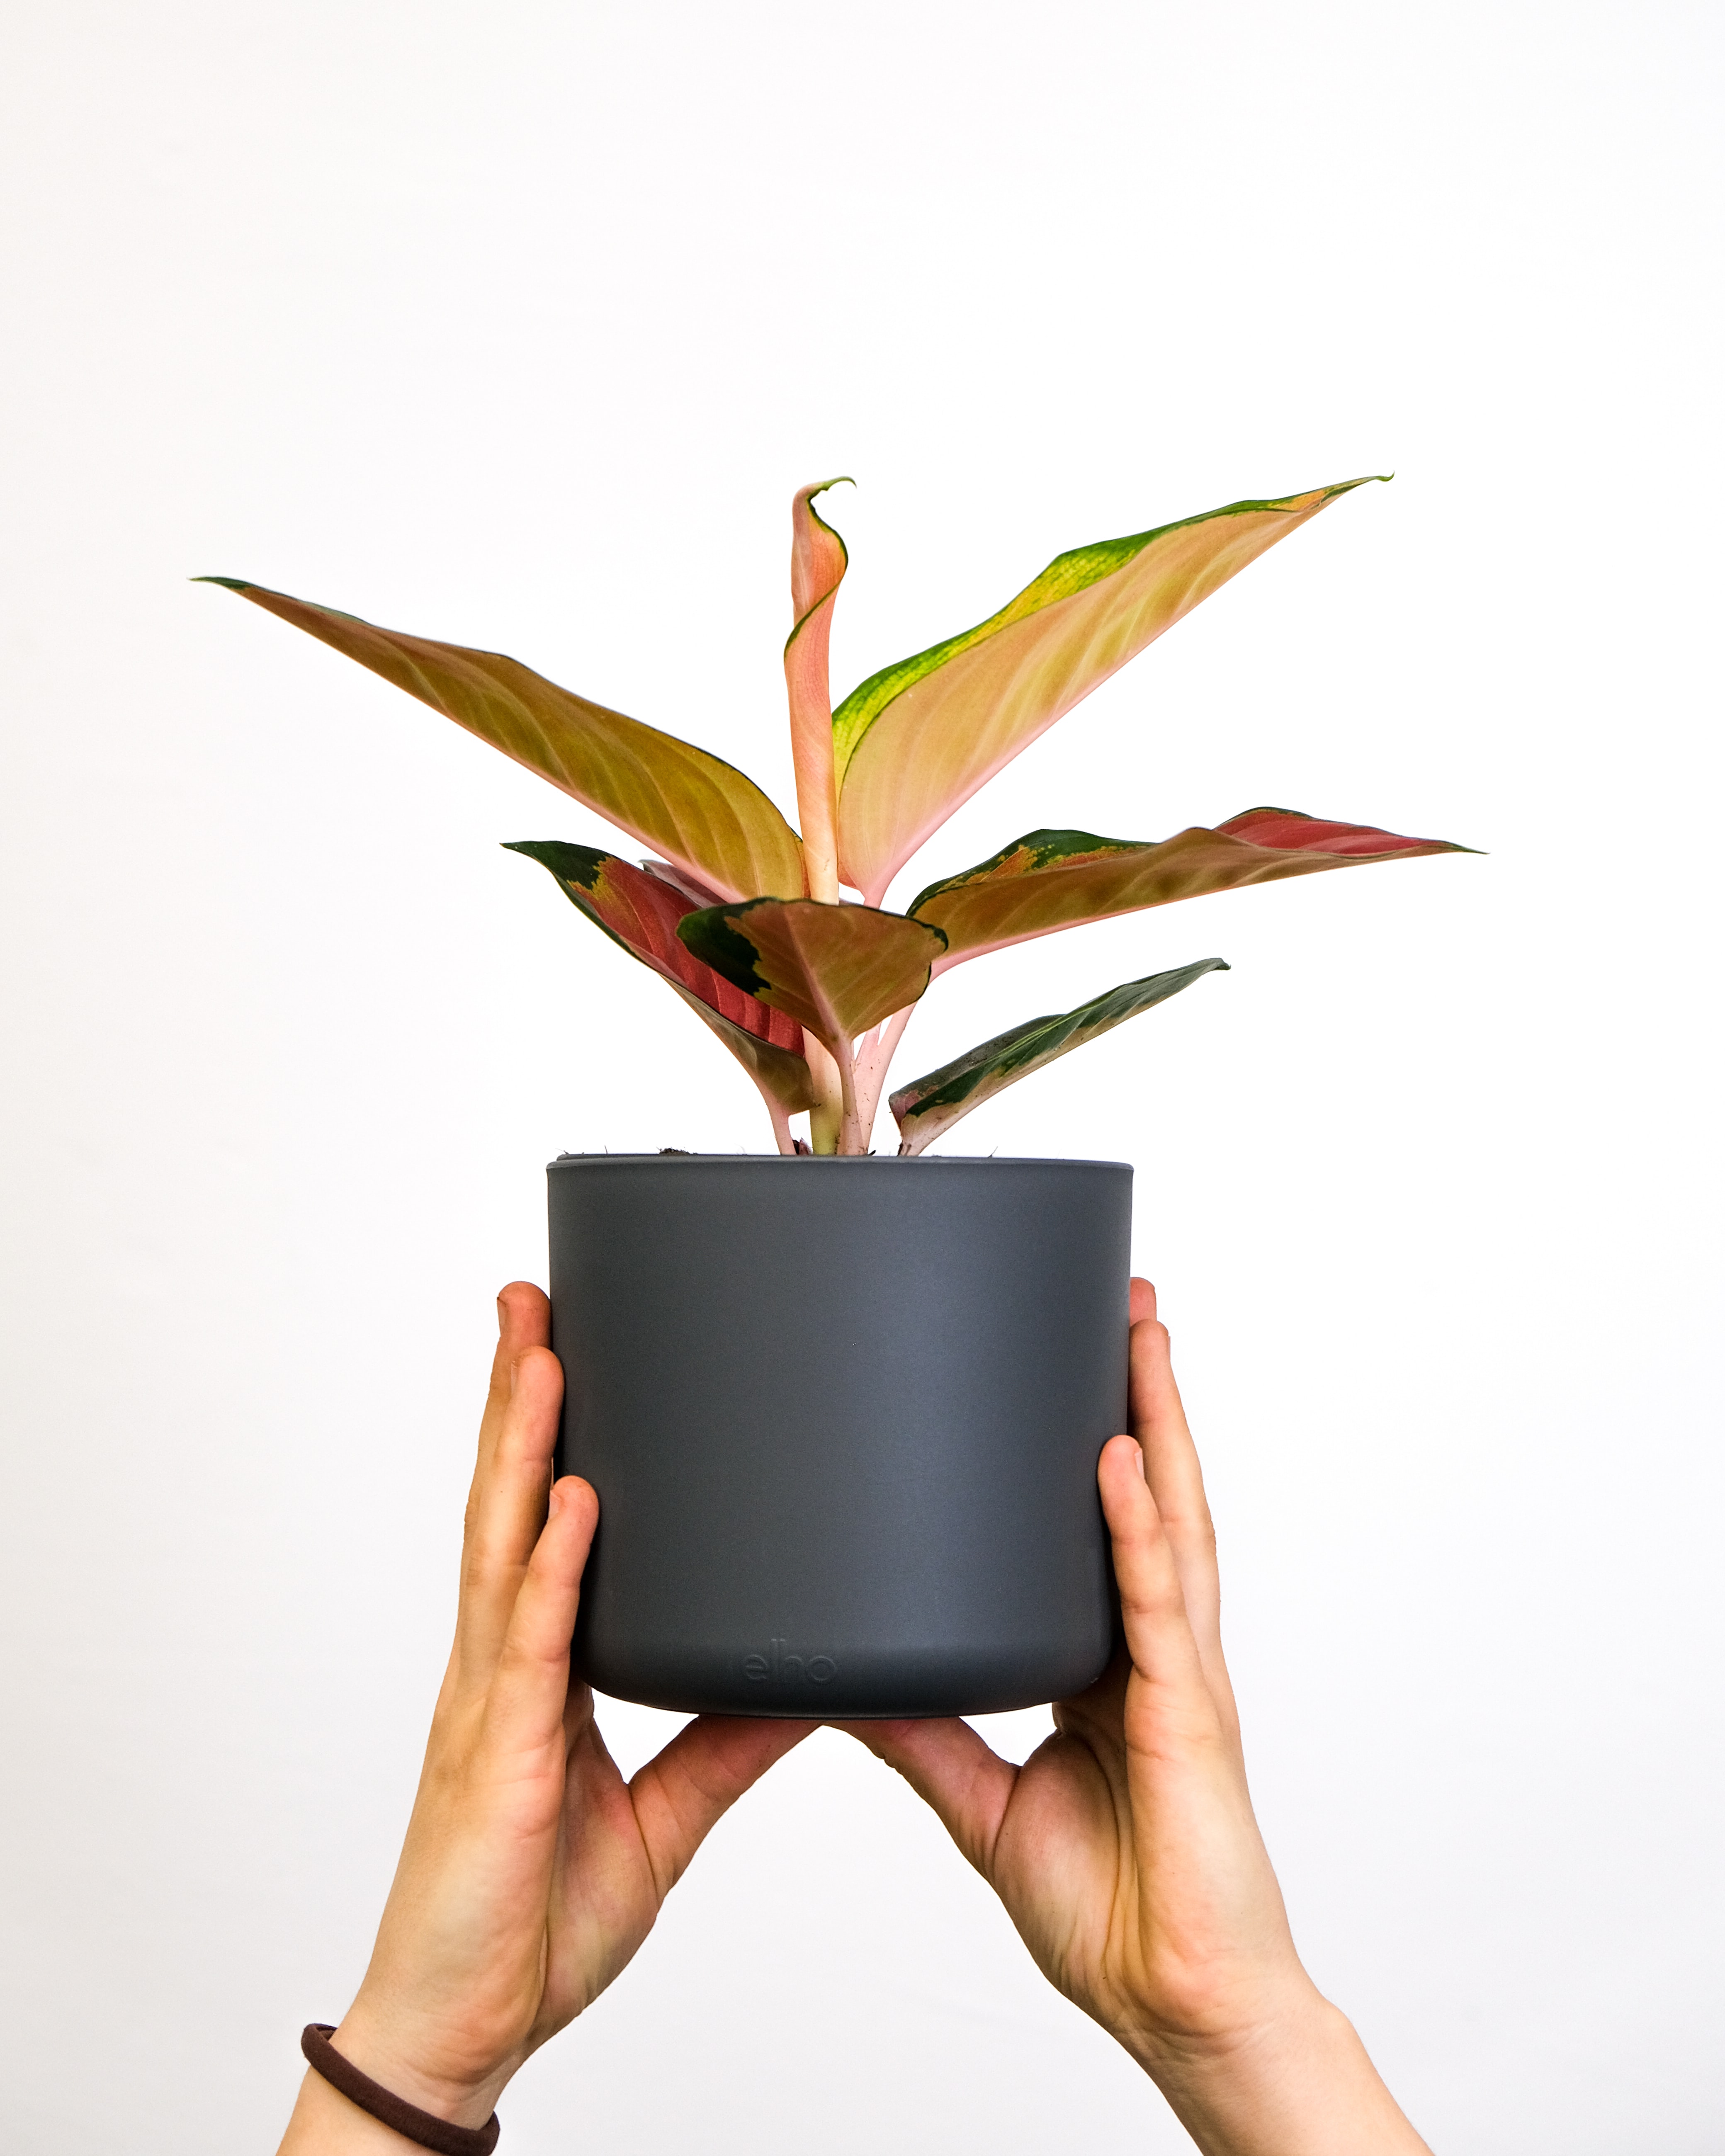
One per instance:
(836, 969)
(703, 814)
(929, 1106)
(915, 741)
(641, 912)
(1050, 879)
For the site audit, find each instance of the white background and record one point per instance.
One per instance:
(517, 325)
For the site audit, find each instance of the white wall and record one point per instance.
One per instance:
(516, 325)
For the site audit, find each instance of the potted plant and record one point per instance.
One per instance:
(878, 1499)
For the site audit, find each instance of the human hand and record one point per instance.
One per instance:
(1125, 1849)
(532, 1870)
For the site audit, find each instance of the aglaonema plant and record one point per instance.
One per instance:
(750, 922)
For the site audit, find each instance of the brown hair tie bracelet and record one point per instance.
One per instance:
(407, 2120)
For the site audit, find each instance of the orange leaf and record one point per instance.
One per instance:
(701, 814)
(1050, 879)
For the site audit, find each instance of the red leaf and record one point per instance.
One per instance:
(641, 912)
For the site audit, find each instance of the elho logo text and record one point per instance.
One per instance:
(781, 1668)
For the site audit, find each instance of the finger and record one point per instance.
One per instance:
(681, 1795)
(525, 1705)
(523, 1320)
(1176, 1480)
(1168, 1703)
(506, 1512)
(1142, 1298)
(1158, 1423)
(966, 1786)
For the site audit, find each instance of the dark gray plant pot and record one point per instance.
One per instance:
(843, 1417)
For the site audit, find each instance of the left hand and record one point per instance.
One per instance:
(532, 1870)
(1125, 1849)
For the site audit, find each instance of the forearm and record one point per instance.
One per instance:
(325, 2123)
(1301, 2084)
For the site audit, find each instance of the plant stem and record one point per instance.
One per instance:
(781, 1123)
(852, 1137)
(820, 850)
(871, 1067)
(827, 1117)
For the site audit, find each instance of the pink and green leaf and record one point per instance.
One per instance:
(837, 970)
(917, 739)
(1052, 880)
(817, 565)
(929, 1106)
(641, 912)
(701, 814)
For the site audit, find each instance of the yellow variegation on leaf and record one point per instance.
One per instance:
(917, 739)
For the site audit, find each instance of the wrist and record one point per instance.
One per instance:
(1205, 2027)
(1291, 2079)
(390, 2050)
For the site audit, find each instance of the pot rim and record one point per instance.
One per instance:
(569, 1160)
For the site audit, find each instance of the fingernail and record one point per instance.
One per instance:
(1143, 1472)
(555, 1503)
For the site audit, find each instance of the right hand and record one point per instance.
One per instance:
(532, 1870)
(1125, 1851)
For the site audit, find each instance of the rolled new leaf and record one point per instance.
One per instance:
(837, 970)
(817, 565)
(641, 912)
(702, 814)
(915, 741)
(1050, 879)
(929, 1106)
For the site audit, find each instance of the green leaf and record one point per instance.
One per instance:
(917, 739)
(929, 1106)
(701, 814)
(1050, 879)
(641, 912)
(836, 969)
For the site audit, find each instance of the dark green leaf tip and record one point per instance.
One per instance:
(714, 938)
(228, 583)
(1043, 848)
(569, 863)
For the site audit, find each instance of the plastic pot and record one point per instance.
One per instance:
(843, 1417)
